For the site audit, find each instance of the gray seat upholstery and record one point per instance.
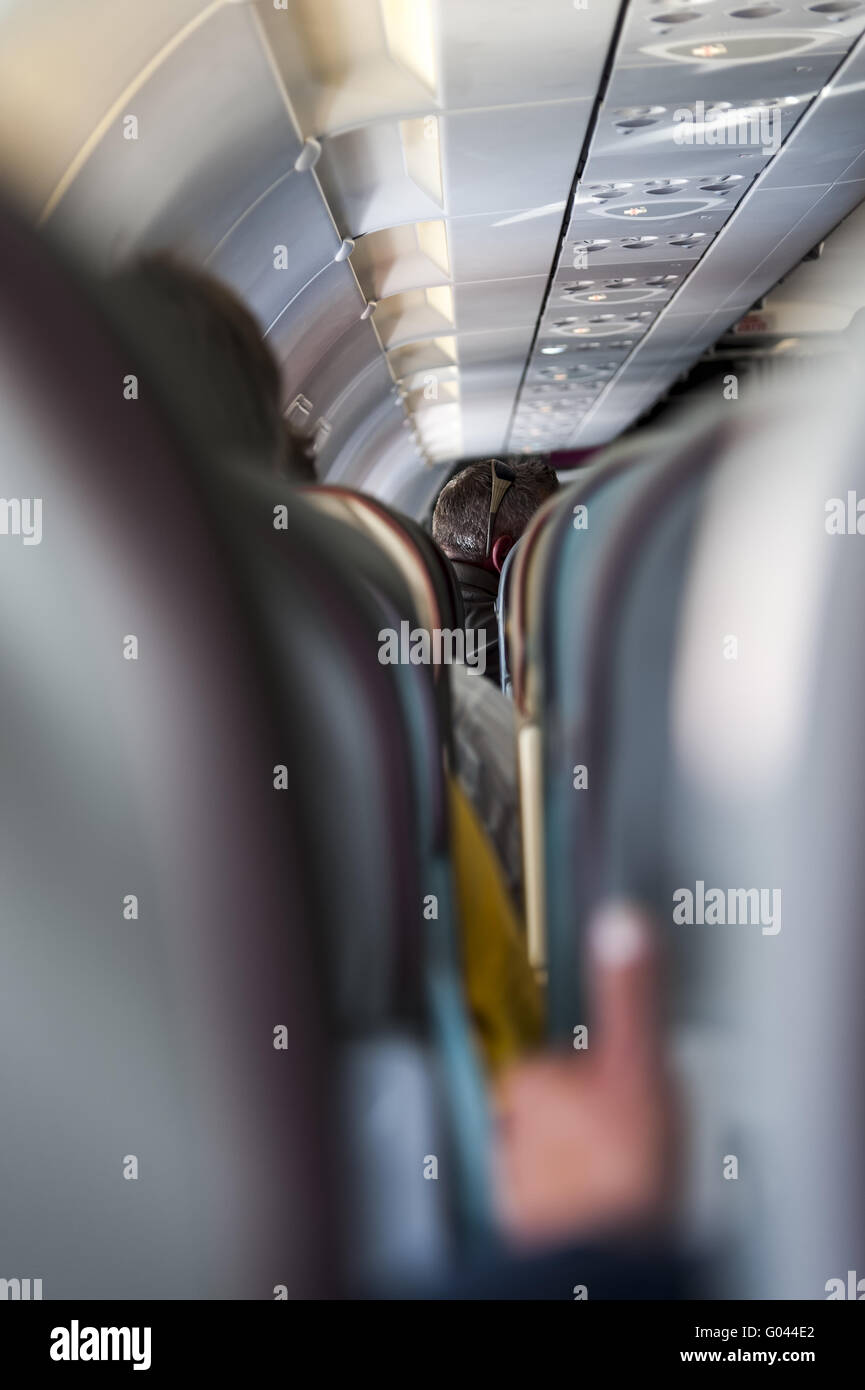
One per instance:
(157, 916)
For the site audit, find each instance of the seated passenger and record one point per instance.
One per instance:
(476, 524)
(503, 997)
(213, 365)
(485, 761)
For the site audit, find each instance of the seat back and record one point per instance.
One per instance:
(694, 659)
(375, 836)
(550, 613)
(767, 795)
(637, 521)
(394, 570)
(164, 1076)
(503, 603)
(244, 970)
(435, 600)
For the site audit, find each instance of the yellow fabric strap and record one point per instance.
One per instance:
(503, 997)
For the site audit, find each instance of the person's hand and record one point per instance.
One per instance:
(584, 1140)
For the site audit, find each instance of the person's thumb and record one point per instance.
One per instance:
(625, 992)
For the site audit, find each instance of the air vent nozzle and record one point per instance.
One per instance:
(756, 12)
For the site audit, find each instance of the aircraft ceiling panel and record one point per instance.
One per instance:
(498, 304)
(678, 82)
(633, 398)
(613, 286)
(511, 158)
(367, 185)
(661, 158)
(814, 158)
(656, 150)
(158, 189)
(414, 316)
(402, 258)
(501, 161)
(484, 378)
(430, 355)
(844, 162)
(830, 288)
(643, 251)
(564, 363)
(495, 345)
(708, 39)
(498, 245)
(345, 67)
(674, 335)
(48, 109)
(487, 394)
(278, 246)
(704, 195)
(485, 428)
(638, 389)
(698, 186)
(686, 236)
(338, 65)
(725, 274)
(826, 211)
(561, 50)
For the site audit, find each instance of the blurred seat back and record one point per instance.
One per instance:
(368, 778)
(386, 908)
(767, 798)
(690, 655)
(423, 565)
(164, 1075)
(246, 793)
(550, 615)
(587, 581)
(436, 601)
(399, 568)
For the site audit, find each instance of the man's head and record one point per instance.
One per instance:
(217, 368)
(462, 511)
